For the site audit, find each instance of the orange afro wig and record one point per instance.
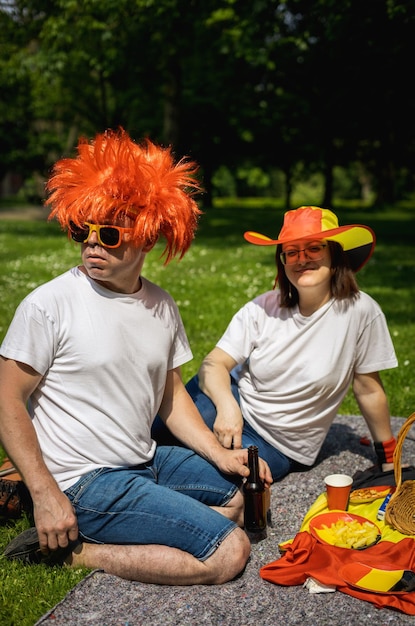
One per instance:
(112, 177)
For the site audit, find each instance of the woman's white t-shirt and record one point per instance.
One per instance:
(294, 371)
(104, 358)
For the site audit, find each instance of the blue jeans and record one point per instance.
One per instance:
(280, 465)
(165, 501)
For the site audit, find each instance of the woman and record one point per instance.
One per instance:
(279, 373)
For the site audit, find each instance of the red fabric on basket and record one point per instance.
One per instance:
(305, 557)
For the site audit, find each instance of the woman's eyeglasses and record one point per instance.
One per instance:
(312, 253)
(108, 236)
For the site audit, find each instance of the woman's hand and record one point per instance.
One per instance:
(228, 427)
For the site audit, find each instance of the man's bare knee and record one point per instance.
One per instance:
(229, 559)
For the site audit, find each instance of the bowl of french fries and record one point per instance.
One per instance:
(344, 530)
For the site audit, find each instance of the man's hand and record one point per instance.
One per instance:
(265, 473)
(236, 462)
(55, 521)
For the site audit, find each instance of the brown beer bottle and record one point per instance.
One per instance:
(254, 496)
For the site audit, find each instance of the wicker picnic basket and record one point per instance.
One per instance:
(400, 511)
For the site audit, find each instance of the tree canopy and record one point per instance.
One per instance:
(273, 84)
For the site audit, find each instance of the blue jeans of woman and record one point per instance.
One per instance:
(280, 465)
(166, 501)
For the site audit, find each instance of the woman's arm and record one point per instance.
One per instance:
(371, 398)
(214, 381)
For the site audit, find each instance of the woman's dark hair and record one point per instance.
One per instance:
(343, 280)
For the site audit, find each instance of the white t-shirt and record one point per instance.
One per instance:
(294, 371)
(104, 357)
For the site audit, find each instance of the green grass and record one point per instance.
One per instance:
(28, 592)
(218, 274)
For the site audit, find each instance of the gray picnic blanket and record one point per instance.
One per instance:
(105, 600)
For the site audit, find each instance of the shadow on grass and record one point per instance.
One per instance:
(30, 228)
(230, 220)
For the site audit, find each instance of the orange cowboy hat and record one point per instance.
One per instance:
(312, 222)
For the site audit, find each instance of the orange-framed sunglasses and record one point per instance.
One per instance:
(108, 236)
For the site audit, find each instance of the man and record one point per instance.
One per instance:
(95, 354)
